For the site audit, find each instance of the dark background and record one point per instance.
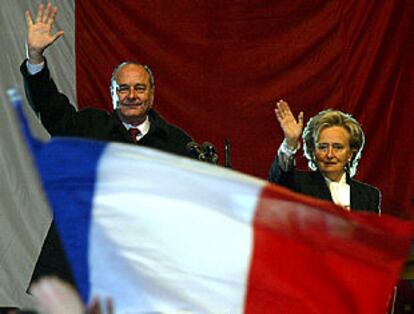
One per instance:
(220, 66)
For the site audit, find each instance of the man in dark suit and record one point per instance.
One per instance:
(132, 91)
(333, 143)
(133, 120)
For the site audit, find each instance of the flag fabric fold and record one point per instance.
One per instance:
(161, 233)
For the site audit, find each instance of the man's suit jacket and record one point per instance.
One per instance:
(364, 197)
(60, 118)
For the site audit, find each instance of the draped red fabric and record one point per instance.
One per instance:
(220, 67)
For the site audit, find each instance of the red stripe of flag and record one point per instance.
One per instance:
(311, 256)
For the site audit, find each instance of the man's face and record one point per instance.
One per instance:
(134, 93)
(332, 152)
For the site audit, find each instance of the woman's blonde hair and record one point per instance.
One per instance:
(329, 118)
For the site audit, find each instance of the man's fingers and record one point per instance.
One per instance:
(48, 13)
(29, 20)
(39, 16)
(57, 35)
(46, 16)
(52, 16)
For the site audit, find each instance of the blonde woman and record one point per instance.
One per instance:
(333, 143)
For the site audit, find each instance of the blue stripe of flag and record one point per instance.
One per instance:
(68, 170)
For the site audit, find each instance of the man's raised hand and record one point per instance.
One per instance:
(39, 35)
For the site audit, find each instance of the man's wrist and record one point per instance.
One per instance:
(34, 68)
(34, 56)
(36, 59)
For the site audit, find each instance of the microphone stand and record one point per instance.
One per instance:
(227, 159)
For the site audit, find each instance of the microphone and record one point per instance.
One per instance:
(194, 150)
(209, 152)
(227, 160)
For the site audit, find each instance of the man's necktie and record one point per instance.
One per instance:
(134, 132)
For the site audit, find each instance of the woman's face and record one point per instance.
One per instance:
(333, 152)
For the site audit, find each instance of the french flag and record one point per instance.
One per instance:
(161, 233)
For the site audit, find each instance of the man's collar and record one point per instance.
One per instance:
(143, 127)
(156, 122)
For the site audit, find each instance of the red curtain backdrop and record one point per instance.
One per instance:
(220, 66)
